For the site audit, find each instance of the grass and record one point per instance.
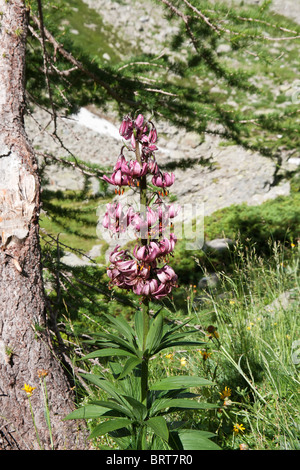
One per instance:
(252, 351)
(255, 350)
(90, 33)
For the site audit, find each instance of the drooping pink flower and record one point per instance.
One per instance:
(117, 219)
(136, 170)
(173, 211)
(167, 245)
(163, 180)
(139, 121)
(162, 291)
(147, 253)
(131, 127)
(144, 223)
(152, 166)
(146, 288)
(138, 131)
(167, 275)
(121, 164)
(126, 128)
(126, 173)
(123, 268)
(168, 279)
(118, 178)
(152, 137)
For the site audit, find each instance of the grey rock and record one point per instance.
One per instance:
(282, 302)
(218, 244)
(210, 281)
(223, 48)
(73, 260)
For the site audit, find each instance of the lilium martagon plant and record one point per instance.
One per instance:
(138, 414)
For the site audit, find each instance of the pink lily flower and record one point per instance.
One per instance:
(136, 170)
(166, 245)
(118, 179)
(152, 167)
(147, 253)
(163, 180)
(161, 291)
(116, 219)
(146, 288)
(139, 121)
(152, 137)
(167, 275)
(126, 127)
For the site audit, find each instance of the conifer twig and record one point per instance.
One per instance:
(75, 164)
(70, 58)
(202, 16)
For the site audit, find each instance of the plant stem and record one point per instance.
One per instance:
(145, 360)
(47, 411)
(144, 239)
(35, 428)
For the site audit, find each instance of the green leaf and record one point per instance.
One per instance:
(107, 387)
(111, 405)
(181, 381)
(138, 409)
(155, 333)
(109, 426)
(120, 342)
(162, 404)
(171, 329)
(113, 340)
(139, 328)
(197, 440)
(170, 344)
(107, 352)
(130, 364)
(159, 426)
(87, 412)
(122, 326)
(176, 336)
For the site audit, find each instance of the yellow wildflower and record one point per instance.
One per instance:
(204, 354)
(226, 393)
(232, 302)
(183, 361)
(28, 389)
(170, 356)
(238, 428)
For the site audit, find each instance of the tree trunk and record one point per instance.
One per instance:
(24, 338)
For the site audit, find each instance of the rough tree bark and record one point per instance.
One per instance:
(24, 338)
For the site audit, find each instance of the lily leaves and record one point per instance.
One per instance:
(180, 382)
(123, 414)
(133, 344)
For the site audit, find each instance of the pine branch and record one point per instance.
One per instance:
(81, 166)
(78, 65)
